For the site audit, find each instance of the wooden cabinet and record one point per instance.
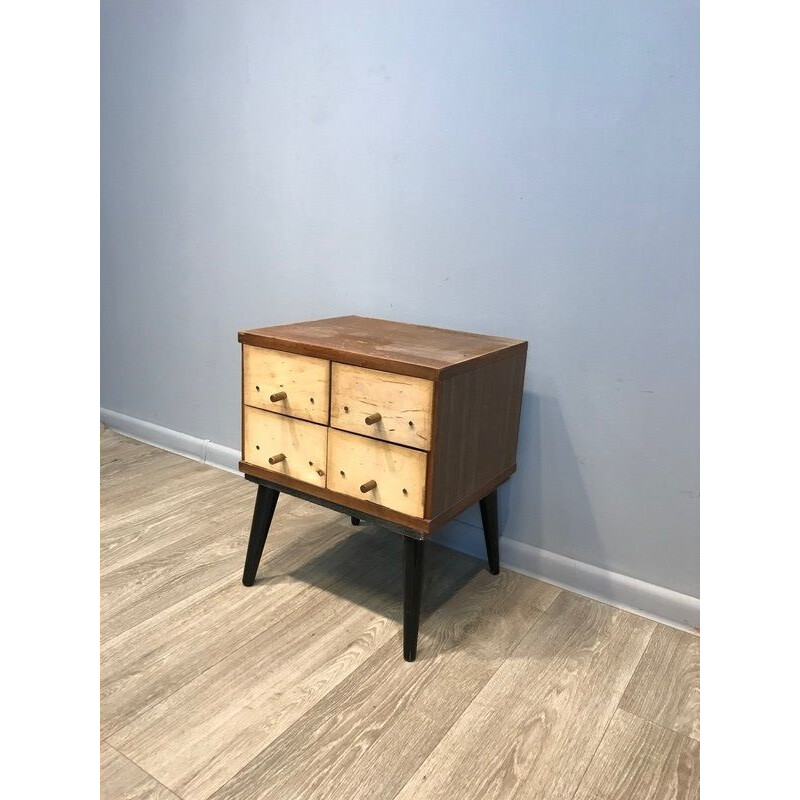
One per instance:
(452, 398)
(406, 425)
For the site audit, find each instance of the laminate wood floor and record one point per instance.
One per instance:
(296, 687)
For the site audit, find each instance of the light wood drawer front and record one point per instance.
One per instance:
(303, 445)
(303, 379)
(398, 472)
(405, 405)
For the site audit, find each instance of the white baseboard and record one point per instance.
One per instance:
(656, 602)
(203, 450)
(647, 599)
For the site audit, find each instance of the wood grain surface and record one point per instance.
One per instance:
(296, 688)
(418, 350)
(305, 382)
(147, 663)
(404, 403)
(640, 761)
(368, 736)
(202, 734)
(537, 722)
(140, 589)
(121, 779)
(398, 472)
(665, 688)
(476, 425)
(303, 445)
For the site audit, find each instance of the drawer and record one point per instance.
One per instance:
(300, 447)
(382, 405)
(298, 384)
(398, 473)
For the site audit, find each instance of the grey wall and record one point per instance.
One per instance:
(526, 169)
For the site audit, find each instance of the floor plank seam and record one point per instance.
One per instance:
(658, 724)
(633, 671)
(107, 571)
(297, 722)
(511, 650)
(221, 581)
(222, 658)
(139, 766)
(579, 783)
(640, 716)
(546, 608)
(161, 610)
(322, 698)
(183, 598)
(589, 761)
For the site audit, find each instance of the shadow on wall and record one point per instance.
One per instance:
(544, 506)
(565, 520)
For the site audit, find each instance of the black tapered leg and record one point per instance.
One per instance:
(355, 520)
(263, 510)
(490, 532)
(412, 597)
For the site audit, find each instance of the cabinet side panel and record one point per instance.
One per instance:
(241, 405)
(477, 424)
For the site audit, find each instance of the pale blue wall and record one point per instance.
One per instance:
(526, 169)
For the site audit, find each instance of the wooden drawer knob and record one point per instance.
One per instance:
(373, 418)
(369, 485)
(277, 396)
(277, 459)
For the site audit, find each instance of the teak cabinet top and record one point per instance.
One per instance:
(418, 350)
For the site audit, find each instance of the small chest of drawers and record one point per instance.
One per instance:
(404, 425)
